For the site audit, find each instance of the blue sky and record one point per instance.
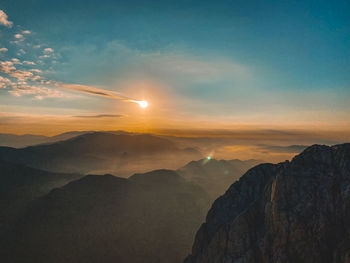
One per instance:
(227, 62)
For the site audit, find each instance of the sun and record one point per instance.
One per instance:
(143, 104)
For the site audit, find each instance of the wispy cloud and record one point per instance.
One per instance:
(29, 62)
(7, 66)
(21, 52)
(18, 36)
(48, 50)
(16, 61)
(44, 56)
(21, 75)
(36, 70)
(100, 116)
(26, 32)
(93, 91)
(3, 19)
(38, 92)
(99, 92)
(4, 82)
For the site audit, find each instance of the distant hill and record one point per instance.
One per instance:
(296, 211)
(148, 218)
(18, 141)
(120, 154)
(215, 176)
(20, 184)
(25, 140)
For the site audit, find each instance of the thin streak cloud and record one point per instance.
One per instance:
(97, 92)
(100, 116)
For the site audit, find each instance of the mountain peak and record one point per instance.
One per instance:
(294, 211)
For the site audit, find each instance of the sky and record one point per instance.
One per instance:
(200, 65)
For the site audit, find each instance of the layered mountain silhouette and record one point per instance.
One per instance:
(296, 211)
(120, 154)
(149, 217)
(20, 184)
(20, 141)
(215, 176)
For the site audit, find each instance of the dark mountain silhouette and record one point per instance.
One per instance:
(215, 176)
(296, 211)
(16, 141)
(150, 217)
(20, 141)
(20, 184)
(25, 140)
(96, 152)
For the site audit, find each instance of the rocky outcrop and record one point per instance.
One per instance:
(296, 211)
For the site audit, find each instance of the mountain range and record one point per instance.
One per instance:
(120, 154)
(149, 217)
(294, 211)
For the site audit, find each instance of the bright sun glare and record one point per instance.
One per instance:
(143, 104)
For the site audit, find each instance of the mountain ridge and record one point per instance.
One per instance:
(103, 218)
(295, 211)
(100, 151)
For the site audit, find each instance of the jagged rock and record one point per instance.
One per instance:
(296, 211)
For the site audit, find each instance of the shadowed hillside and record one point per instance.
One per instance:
(150, 217)
(215, 176)
(20, 184)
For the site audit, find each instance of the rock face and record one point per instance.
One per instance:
(296, 211)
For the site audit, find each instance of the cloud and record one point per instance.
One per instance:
(29, 62)
(44, 56)
(3, 49)
(99, 92)
(35, 70)
(48, 50)
(21, 86)
(26, 32)
(35, 78)
(4, 82)
(21, 52)
(21, 75)
(93, 91)
(3, 19)
(18, 36)
(100, 116)
(7, 66)
(16, 61)
(37, 91)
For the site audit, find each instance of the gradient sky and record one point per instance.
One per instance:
(199, 64)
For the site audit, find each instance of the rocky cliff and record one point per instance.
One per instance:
(296, 211)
